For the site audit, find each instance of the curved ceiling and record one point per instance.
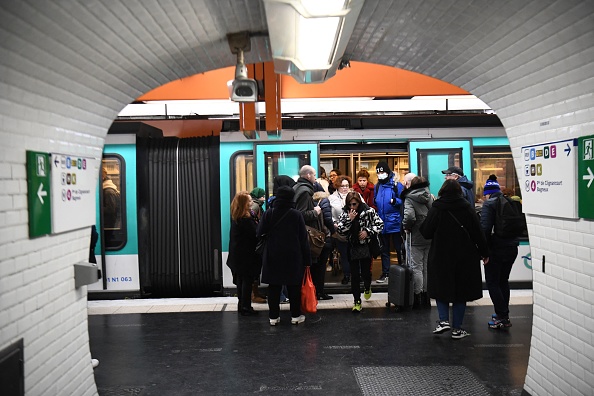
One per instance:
(359, 80)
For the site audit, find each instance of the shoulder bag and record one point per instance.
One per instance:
(316, 238)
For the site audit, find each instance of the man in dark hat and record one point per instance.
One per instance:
(387, 201)
(456, 173)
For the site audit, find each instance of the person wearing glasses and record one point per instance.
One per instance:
(334, 173)
(456, 173)
(357, 223)
(342, 185)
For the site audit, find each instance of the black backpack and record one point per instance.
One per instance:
(510, 221)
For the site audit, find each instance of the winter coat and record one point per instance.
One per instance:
(368, 221)
(242, 259)
(321, 199)
(287, 248)
(388, 202)
(454, 269)
(417, 202)
(488, 213)
(467, 189)
(366, 193)
(304, 201)
(337, 201)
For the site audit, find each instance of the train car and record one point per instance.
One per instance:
(174, 234)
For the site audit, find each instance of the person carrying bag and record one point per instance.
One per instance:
(359, 223)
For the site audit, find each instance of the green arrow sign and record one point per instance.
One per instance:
(38, 194)
(586, 177)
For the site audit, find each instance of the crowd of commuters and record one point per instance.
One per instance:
(446, 241)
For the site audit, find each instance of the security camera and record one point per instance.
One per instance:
(244, 90)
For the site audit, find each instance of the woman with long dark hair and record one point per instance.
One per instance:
(457, 246)
(358, 222)
(243, 260)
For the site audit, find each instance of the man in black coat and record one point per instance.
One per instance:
(502, 255)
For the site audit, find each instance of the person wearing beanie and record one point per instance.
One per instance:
(258, 198)
(388, 203)
(502, 255)
(491, 186)
(286, 254)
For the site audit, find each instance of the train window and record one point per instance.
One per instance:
(113, 202)
(495, 161)
(243, 172)
(283, 163)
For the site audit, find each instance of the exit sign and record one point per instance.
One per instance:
(38, 193)
(585, 177)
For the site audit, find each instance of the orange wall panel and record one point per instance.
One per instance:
(361, 79)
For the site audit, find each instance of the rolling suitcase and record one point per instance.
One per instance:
(400, 283)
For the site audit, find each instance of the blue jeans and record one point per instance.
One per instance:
(396, 238)
(497, 273)
(458, 308)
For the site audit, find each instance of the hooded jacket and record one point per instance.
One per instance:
(366, 193)
(467, 191)
(417, 202)
(287, 247)
(388, 202)
(304, 201)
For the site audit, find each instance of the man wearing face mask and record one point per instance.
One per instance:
(387, 201)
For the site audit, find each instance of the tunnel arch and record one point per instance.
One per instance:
(69, 67)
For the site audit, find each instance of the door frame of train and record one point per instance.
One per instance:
(415, 148)
(262, 149)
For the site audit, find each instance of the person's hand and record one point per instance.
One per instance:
(485, 260)
(352, 214)
(318, 209)
(362, 235)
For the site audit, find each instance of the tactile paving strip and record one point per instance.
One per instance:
(120, 391)
(418, 380)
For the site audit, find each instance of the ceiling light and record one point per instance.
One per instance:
(308, 37)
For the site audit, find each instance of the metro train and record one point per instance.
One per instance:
(172, 232)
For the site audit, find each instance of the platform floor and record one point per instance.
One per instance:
(202, 346)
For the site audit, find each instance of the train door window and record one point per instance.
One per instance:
(243, 172)
(113, 202)
(283, 163)
(432, 161)
(495, 161)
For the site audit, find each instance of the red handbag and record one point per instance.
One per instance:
(309, 301)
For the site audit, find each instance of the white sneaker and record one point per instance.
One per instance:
(298, 319)
(94, 362)
(274, 322)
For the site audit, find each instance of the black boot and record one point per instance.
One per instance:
(425, 300)
(417, 301)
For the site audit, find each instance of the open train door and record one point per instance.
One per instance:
(429, 158)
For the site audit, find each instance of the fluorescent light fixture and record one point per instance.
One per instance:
(308, 37)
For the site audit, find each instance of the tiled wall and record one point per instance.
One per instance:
(67, 68)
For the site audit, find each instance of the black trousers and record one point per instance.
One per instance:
(497, 273)
(274, 292)
(362, 267)
(244, 290)
(318, 269)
